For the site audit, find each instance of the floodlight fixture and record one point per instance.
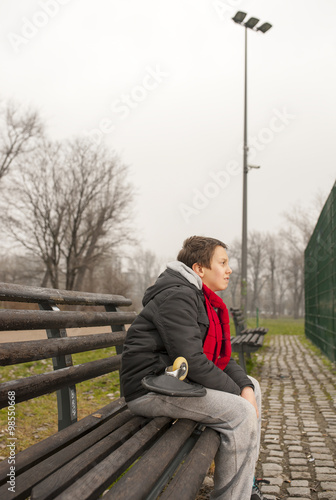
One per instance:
(251, 22)
(264, 27)
(239, 17)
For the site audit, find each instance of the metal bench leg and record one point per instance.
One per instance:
(66, 397)
(116, 328)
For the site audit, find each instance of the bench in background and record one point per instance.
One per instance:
(84, 458)
(247, 340)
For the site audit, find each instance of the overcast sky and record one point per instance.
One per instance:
(162, 83)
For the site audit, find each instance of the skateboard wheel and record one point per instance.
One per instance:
(181, 363)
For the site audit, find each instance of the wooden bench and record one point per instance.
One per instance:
(111, 449)
(247, 340)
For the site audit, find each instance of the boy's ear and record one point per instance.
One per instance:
(198, 269)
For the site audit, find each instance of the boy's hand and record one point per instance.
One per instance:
(248, 394)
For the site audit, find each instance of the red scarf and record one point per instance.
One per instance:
(217, 344)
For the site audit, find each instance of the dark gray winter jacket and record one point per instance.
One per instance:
(174, 323)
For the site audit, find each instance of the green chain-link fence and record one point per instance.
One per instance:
(320, 280)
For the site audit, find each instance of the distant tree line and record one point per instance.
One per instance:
(275, 265)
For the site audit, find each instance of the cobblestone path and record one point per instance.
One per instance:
(298, 450)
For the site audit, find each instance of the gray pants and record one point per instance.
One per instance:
(236, 421)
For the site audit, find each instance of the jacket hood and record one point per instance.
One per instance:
(176, 274)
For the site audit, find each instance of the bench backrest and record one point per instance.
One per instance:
(58, 345)
(238, 319)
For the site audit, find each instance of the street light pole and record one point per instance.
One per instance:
(251, 23)
(245, 172)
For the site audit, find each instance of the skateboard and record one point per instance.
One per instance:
(173, 381)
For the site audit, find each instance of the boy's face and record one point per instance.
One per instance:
(217, 277)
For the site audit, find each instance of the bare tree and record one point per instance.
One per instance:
(20, 268)
(271, 263)
(257, 265)
(98, 208)
(123, 274)
(142, 272)
(35, 211)
(234, 253)
(147, 267)
(277, 284)
(108, 276)
(72, 206)
(300, 223)
(20, 132)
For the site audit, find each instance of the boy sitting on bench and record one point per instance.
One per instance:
(183, 316)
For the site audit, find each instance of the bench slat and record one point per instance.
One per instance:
(85, 454)
(27, 480)
(14, 319)
(156, 460)
(39, 451)
(37, 385)
(94, 482)
(194, 468)
(244, 342)
(260, 341)
(33, 350)
(254, 339)
(23, 293)
(241, 339)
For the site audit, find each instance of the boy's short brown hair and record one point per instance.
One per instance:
(200, 250)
